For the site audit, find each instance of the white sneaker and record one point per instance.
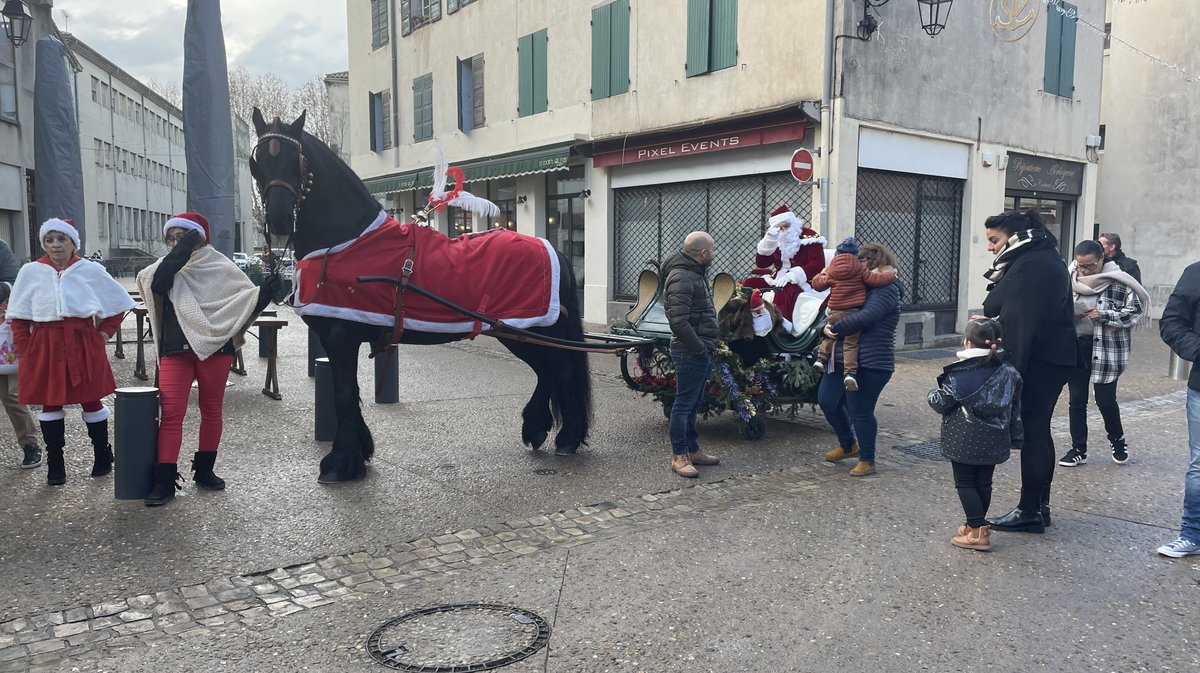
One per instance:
(1179, 547)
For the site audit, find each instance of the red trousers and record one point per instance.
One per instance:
(175, 376)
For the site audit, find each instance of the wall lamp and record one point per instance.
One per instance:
(17, 22)
(933, 17)
(585, 194)
(521, 199)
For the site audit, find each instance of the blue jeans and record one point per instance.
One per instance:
(853, 413)
(691, 377)
(1190, 528)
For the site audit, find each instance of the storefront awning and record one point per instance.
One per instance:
(391, 185)
(541, 161)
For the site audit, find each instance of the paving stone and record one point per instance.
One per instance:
(284, 609)
(89, 637)
(540, 520)
(205, 613)
(338, 592)
(506, 536)
(168, 608)
(134, 627)
(261, 589)
(139, 602)
(314, 601)
(104, 622)
(195, 591)
(237, 606)
(201, 602)
(50, 645)
(46, 619)
(477, 553)
(310, 578)
(468, 534)
(14, 625)
(219, 620)
(15, 652)
(135, 615)
(77, 615)
(372, 587)
(356, 579)
(404, 557)
(64, 630)
(170, 620)
(331, 562)
(271, 599)
(384, 573)
(278, 574)
(289, 583)
(182, 627)
(217, 586)
(422, 543)
(234, 594)
(300, 591)
(39, 660)
(359, 557)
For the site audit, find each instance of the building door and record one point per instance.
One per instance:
(920, 218)
(564, 230)
(1058, 215)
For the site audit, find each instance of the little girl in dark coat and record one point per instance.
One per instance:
(979, 398)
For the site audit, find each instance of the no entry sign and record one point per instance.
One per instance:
(802, 165)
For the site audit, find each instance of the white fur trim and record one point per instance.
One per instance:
(52, 415)
(96, 416)
(789, 216)
(769, 242)
(797, 275)
(82, 290)
(968, 353)
(814, 240)
(61, 226)
(182, 223)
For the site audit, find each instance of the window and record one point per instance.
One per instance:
(423, 107)
(1062, 19)
(107, 155)
(531, 76)
(381, 121)
(95, 90)
(470, 93)
(610, 49)
(101, 219)
(99, 151)
(417, 13)
(379, 23)
(711, 36)
(104, 96)
(453, 5)
(1107, 35)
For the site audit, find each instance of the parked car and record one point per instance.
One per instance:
(241, 259)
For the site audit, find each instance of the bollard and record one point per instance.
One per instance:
(325, 416)
(315, 350)
(387, 377)
(135, 442)
(1178, 368)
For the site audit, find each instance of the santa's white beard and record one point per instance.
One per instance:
(789, 245)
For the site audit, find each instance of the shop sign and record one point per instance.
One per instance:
(1038, 174)
(701, 144)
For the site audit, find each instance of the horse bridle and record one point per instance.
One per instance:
(272, 139)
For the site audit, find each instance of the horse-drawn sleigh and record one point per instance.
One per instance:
(362, 277)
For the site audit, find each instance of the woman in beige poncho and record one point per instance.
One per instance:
(200, 306)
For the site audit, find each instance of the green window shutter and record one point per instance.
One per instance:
(540, 95)
(619, 65)
(435, 10)
(405, 24)
(1054, 25)
(601, 42)
(699, 13)
(451, 6)
(1066, 70)
(525, 76)
(722, 50)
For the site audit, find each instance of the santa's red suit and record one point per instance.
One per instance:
(786, 257)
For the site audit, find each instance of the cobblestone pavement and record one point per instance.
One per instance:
(60, 639)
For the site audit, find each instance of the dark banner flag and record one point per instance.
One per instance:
(207, 127)
(59, 178)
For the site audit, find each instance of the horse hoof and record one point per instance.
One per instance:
(566, 450)
(535, 442)
(331, 478)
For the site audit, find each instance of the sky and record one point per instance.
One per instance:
(295, 39)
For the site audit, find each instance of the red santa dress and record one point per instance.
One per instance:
(786, 259)
(63, 354)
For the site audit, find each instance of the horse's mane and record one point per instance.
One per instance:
(326, 158)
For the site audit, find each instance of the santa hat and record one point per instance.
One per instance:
(761, 318)
(63, 226)
(848, 246)
(193, 221)
(783, 214)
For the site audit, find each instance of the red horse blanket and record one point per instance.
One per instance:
(499, 273)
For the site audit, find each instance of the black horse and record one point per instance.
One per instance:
(312, 198)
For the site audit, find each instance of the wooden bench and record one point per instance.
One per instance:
(268, 329)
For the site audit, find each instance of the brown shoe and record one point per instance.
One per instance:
(841, 453)
(702, 458)
(863, 468)
(683, 466)
(979, 539)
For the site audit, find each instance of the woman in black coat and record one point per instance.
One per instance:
(1030, 295)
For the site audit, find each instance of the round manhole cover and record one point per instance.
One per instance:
(458, 638)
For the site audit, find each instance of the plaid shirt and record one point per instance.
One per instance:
(1120, 309)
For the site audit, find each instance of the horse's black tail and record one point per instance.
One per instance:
(580, 375)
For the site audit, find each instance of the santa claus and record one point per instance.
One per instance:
(787, 256)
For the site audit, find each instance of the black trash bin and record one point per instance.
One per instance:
(135, 442)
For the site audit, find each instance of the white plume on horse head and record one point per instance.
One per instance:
(456, 197)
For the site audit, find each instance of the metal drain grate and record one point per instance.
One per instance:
(928, 450)
(928, 354)
(459, 638)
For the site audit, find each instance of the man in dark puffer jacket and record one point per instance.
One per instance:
(1180, 329)
(694, 336)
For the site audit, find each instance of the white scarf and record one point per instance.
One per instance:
(1004, 257)
(1099, 282)
(214, 301)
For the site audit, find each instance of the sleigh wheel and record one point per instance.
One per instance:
(755, 428)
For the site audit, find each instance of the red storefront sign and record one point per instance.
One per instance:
(666, 147)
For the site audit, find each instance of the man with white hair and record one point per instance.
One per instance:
(788, 255)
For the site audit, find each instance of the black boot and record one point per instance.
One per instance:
(1019, 521)
(101, 449)
(1045, 509)
(165, 476)
(53, 434)
(202, 466)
